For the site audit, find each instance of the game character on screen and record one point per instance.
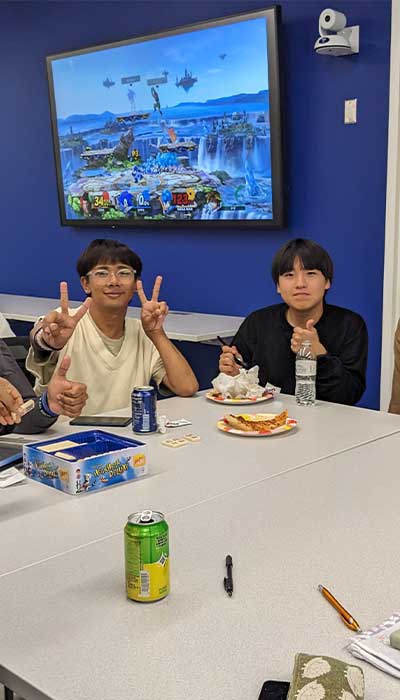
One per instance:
(213, 205)
(166, 202)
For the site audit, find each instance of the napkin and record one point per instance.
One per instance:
(10, 476)
(373, 646)
(244, 385)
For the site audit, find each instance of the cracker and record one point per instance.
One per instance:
(65, 455)
(192, 437)
(174, 442)
(26, 407)
(56, 446)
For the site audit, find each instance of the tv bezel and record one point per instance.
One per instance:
(272, 15)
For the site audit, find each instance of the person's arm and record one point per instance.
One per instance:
(394, 406)
(41, 366)
(53, 331)
(49, 336)
(36, 420)
(179, 376)
(62, 396)
(10, 404)
(243, 346)
(341, 378)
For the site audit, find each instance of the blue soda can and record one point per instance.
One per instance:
(144, 409)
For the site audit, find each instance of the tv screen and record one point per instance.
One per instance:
(182, 126)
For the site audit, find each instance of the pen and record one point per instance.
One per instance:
(228, 581)
(237, 359)
(348, 619)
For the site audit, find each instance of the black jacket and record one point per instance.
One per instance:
(264, 339)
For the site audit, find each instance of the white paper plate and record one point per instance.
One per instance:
(290, 424)
(239, 402)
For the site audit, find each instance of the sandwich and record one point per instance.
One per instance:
(258, 422)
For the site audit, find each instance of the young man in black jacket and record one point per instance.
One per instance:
(62, 397)
(271, 337)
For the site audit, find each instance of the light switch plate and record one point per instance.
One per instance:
(350, 111)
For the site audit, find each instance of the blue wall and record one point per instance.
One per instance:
(336, 174)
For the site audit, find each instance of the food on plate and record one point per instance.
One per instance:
(215, 394)
(258, 422)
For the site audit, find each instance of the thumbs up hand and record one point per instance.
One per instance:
(63, 396)
(310, 325)
(308, 333)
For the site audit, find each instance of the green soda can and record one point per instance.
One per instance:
(146, 556)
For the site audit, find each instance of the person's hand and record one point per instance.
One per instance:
(308, 333)
(153, 311)
(10, 401)
(63, 396)
(227, 363)
(58, 326)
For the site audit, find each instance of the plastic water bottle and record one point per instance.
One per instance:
(306, 369)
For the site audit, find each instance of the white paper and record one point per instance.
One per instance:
(373, 646)
(178, 423)
(10, 476)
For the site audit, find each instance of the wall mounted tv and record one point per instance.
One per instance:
(171, 128)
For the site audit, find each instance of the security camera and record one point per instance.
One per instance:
(331, 21)
(335, 39)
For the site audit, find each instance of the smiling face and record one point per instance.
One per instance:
(111, 286)
(303, 290)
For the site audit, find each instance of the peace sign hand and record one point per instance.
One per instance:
(153, 311)
(58, 326)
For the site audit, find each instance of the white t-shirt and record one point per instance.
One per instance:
(109, 377)
(5, 330)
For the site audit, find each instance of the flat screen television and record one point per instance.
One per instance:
(178, 127)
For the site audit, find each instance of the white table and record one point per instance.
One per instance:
(67, 630)
(179, 325)
(38, 522)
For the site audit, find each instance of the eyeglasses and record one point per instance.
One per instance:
(124, 274)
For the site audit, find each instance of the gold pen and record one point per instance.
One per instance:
(348, 619)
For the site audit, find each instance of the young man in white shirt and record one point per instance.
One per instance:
(109, 352)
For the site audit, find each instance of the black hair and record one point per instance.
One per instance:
(104, 250)
(311, 255)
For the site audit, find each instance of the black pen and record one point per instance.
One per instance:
(228, 580)
(237, 359)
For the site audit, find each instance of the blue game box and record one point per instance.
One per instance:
(81, 462)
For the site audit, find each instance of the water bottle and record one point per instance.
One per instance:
(306, 369)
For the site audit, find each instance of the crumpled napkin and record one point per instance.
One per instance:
(163, 422)
(10, 476)
(245, 385)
